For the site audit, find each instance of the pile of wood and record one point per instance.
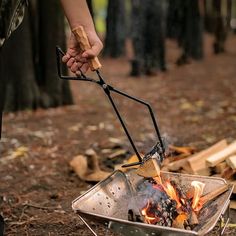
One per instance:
(217, 160)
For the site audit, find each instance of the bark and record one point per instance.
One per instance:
(22, 91)
(115, 29)
(51, 33)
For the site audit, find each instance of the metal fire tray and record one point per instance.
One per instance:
(108, 203)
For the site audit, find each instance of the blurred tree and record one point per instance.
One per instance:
(222, 14)
(148, 29)
(30, 64)
(115, 28)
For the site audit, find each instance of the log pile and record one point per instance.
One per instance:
(217, 160)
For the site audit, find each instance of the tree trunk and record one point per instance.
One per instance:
(22, 91)
(115, 29)
(51, 33)
(29, 60)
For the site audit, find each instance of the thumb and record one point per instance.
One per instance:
(93, 51)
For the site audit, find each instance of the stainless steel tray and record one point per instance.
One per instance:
(108, 203)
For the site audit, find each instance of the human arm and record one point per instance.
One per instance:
(77, 13)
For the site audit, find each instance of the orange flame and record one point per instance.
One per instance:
(198, 190)
(170, 191)
(149, 219)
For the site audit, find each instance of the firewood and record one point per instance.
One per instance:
(177, 165)
(197, 161)
(149, 169)
(216, 158)
(228, 173)
(220, 168)
(87, 167)
(215, 193)
(231, 161)
(193, 220)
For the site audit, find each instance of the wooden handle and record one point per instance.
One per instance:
(83, 41)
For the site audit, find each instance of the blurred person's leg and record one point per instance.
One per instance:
(155, 36)
(137, 35)
(192, 32)
(220, 29)
(2, 85)
(162, 38)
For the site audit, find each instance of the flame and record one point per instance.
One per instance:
(198, 190)
(169, 189)
(171, 192)
(184, 203)
(149, 219)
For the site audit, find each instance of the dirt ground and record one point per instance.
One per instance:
(195, 105)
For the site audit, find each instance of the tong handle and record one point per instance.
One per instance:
(83, 41)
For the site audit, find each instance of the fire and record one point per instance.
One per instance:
(170, 191)
(186, 204)
(198, 191)
(148, 219)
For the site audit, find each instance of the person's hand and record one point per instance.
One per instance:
(75, 59)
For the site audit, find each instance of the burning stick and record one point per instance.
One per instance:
(210, 196)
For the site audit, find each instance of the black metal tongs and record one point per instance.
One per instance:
(158, 151)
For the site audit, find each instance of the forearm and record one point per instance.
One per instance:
(77, 13)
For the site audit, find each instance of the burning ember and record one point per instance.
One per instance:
(175, 208)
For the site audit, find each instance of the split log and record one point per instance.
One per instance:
(215, 193)
(231, 161)
(87, 167)
(149, 169)
(197, 162)
(177, 165)
(217, 158)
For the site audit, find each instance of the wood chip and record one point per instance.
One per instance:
(87, 168)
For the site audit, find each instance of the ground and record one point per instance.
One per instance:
(195, 105)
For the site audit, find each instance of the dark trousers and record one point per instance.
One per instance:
(2, 87)
(2, 95)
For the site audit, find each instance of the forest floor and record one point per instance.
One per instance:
(195, 105)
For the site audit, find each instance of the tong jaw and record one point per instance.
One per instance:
(156, 152)
(156, 155)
